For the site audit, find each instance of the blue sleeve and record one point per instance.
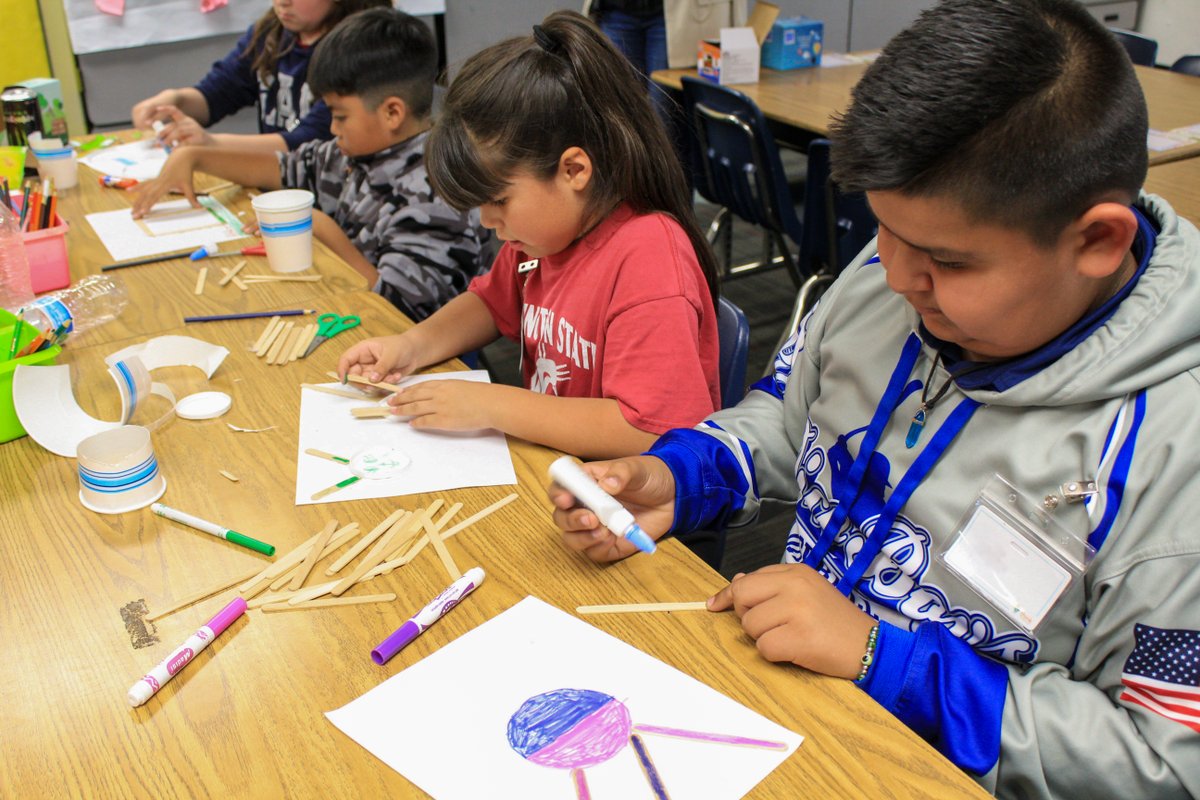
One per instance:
(231, 84)
(948, 694)
(710, 484)
(313, 126)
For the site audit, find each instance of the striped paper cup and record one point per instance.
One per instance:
(285, 221)
(118, 471)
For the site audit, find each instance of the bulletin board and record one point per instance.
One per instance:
(154, 22)
(161, 21)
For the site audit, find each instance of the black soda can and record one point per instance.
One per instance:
(21, 115)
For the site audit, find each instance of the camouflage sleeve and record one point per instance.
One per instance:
(300, 168)
(427, 254)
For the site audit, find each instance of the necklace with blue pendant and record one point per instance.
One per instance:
(917, 426)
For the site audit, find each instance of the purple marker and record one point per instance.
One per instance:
(144, 689)
(423, 619)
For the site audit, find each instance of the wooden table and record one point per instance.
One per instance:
(807, 99)
(246, 719)
(1179, 183)
(148, 285)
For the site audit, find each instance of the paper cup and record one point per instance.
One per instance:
(285, 220)
(59, 166)
(118, 471)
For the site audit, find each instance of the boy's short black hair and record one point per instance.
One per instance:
(1026, 112)
(376, 54)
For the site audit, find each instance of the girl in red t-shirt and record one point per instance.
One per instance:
(604, 276)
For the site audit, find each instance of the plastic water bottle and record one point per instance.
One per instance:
(16, 291)
(89, 303)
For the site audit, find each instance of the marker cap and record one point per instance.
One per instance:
(395, 643)
(226, 616)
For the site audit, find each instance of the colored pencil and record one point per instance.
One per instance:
(149, 260)
(12, 348)
(24, 204)
(296, 312)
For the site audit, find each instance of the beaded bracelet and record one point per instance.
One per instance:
(869, 656)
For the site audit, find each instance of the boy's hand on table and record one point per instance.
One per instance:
(381, 359)
(180, 130)
(176, 176)
(643, 484)
(795, 615)
(446, 405)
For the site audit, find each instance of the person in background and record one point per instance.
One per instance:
(604, 276)
(1006, 377)
(268, 68)
(375, 207)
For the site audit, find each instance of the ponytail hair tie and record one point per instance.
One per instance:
(547, 42)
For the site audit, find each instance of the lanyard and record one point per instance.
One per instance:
(920, 468)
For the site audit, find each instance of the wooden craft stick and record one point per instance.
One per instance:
(365, 541)
(340, 538)
(450, 512)
(285, 595)
(288, 346)
(218, 187)
(312, 336)
(198, 596)
(228, 475)
(302, 572)
(407, 541)
(260, 581)
(637, 608)
(312, 451)
(241, 284)
(330, 390)
(262, 337)
(229, 274)
(371, 412)
(200, 278)
(471, 520)
(269, 338)
(280, 342)
(337, 487)
(372, 558)
(301, 342)
(447, 560)
(388, 387)
(332, 601)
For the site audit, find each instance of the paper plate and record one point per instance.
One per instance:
(203, 405)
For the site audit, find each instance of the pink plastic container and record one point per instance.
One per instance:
(47, 253)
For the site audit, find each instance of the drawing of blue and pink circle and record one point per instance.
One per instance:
(570, 728)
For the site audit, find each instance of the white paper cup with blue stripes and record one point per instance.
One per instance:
(118, 471)
(285, 221)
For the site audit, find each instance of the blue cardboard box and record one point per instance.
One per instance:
(793, 42)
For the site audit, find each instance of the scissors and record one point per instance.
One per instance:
(329, 326)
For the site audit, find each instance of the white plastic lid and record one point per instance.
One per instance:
(203, 405)
(283, 200)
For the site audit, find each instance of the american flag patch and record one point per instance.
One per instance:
(1163, 673)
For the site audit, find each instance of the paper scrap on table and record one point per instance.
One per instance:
(174, 351)
(45, 403)
(142, 160)
(441, 460)
(1161, 141)
(170, 226)
(558, 694)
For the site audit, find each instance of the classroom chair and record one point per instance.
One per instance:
(836, 227)
(1141, 49)
(736, 165)
(1188, 65)
(733, 333)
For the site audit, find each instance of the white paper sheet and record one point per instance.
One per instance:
(171, 226)
(141, 160)
(444, 723)
(439, 460)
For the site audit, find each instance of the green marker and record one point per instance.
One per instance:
(215, 530)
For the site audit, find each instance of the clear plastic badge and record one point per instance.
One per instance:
(1011, 553)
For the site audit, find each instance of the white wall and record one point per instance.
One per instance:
(1176, 26)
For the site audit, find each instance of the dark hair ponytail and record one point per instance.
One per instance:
(521, 103)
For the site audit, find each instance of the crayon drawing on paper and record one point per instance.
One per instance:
(536, 703)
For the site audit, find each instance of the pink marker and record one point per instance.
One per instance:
(144, 689)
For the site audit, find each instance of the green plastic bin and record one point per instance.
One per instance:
(10, 426)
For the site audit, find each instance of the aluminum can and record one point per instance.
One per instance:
(21, 115)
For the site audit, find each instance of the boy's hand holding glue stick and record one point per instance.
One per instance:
(597, 503)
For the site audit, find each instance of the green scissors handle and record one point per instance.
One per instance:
(330, 325)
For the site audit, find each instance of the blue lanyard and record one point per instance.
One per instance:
(921, 467)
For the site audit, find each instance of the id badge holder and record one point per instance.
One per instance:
(1012, 554)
